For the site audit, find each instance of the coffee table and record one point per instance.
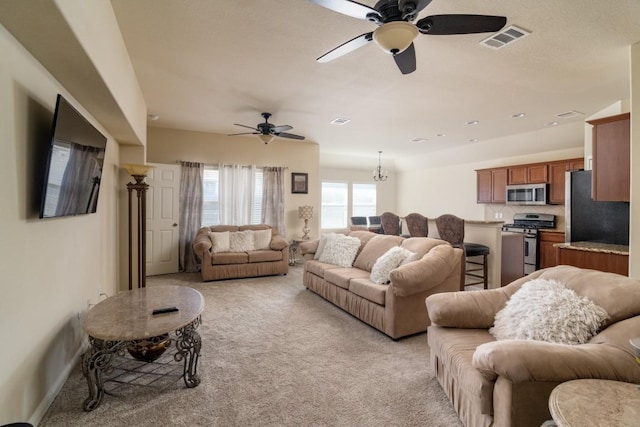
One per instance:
(127, 320)
(591, 402)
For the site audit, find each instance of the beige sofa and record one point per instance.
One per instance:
(397, 309)
(252, 263)
(508, 382)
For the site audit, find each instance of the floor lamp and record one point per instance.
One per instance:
(139, 173)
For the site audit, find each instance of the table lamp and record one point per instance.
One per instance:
(305, 212)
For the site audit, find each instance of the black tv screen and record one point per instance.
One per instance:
(74, 165)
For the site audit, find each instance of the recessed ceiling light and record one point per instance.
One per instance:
(569, 114)
(552, 124)
(419, 140)
(473, 122)
(153, 117)
(340, 121)
(441, 134)
(518, 115)
(473, 140)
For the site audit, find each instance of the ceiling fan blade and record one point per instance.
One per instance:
(243, 133)
(245, 126)
(350, 8)
(460, 24)
(406, 60)
(288, 135)
(347, 47)
(416, 7)
(278, 129)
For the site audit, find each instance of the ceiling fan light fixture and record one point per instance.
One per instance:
(266, 138)
(395, 37)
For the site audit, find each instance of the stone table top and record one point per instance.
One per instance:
(606, 248)
(128, 315)
(589, 402)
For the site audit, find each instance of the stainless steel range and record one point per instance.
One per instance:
(529, 224)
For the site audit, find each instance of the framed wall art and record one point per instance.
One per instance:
(299, 183)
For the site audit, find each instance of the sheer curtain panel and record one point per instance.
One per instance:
(237, 191)
(190, 213)
(273, 198)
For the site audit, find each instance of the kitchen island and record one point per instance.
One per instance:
(595, 255)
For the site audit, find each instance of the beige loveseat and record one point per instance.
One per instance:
(271, 259)
(397, 308)
(508, 382)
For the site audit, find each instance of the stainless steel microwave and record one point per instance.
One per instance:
(527, 194)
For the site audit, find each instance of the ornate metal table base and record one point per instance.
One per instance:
(98, 359)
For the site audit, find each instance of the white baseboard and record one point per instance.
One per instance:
(48, 399)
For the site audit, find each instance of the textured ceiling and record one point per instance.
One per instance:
(204, 65)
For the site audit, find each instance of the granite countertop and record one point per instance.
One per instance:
(606, 248)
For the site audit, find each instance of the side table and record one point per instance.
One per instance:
(126, 320)
(592, 403)
(293, 250)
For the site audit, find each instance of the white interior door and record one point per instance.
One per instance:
(162, 219)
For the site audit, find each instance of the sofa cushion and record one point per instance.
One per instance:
(318, 268)
(230, 258)
(387, 262)
(342, 276)
(375, 247)
(219, 241)
(545, 310)
(340, 250)
(265, 256)
(241, 241)
(366, 289)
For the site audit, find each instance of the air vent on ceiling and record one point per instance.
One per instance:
(507, 36)
(340, 121)
(569, 114)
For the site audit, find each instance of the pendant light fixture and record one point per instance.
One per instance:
(378, 173)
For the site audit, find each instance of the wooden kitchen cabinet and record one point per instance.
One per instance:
(547, 253)
(528, 174)
(557, 172)
(492, 185)
(611, 158)
(609, 262)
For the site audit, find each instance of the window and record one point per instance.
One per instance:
(342, 200)
(334, 204)
(211, 208)
(363, 200)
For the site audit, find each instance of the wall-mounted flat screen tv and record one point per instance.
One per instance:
(74, 165)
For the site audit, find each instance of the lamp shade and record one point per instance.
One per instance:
(266, 138)
(137, 169)
(305, 212)
(395, 37)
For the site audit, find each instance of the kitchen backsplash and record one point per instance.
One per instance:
(502, 212)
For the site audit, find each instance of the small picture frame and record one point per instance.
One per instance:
(299, 183)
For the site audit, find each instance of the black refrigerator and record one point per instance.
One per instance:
(590, 221)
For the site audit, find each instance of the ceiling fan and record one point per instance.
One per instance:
(268, 131)
(396, 32)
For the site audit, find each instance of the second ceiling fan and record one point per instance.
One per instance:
(396, 32)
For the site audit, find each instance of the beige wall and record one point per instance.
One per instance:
(634, 238)
(50, 268)
(168, 146)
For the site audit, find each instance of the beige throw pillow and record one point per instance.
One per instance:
(262, 239)
(241, 241)
(219, 241)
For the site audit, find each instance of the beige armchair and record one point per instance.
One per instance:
(508, 382)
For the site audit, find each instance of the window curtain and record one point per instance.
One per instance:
(237, 191)
(190, 213)
(273, 197)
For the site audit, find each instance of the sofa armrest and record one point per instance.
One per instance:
(310, 247)
(528, 360)
(201, 243)
(471, 310)
(426, 273)
(278, 243)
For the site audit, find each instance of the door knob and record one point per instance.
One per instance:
(175, 225)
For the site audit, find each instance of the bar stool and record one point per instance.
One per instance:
(451, 229)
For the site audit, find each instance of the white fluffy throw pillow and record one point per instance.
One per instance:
(262, 239)
(387, 262)
(340, 250)
(241, 241)
(219, 241)
(546, 310)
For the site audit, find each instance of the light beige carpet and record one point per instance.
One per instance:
(276, 354)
